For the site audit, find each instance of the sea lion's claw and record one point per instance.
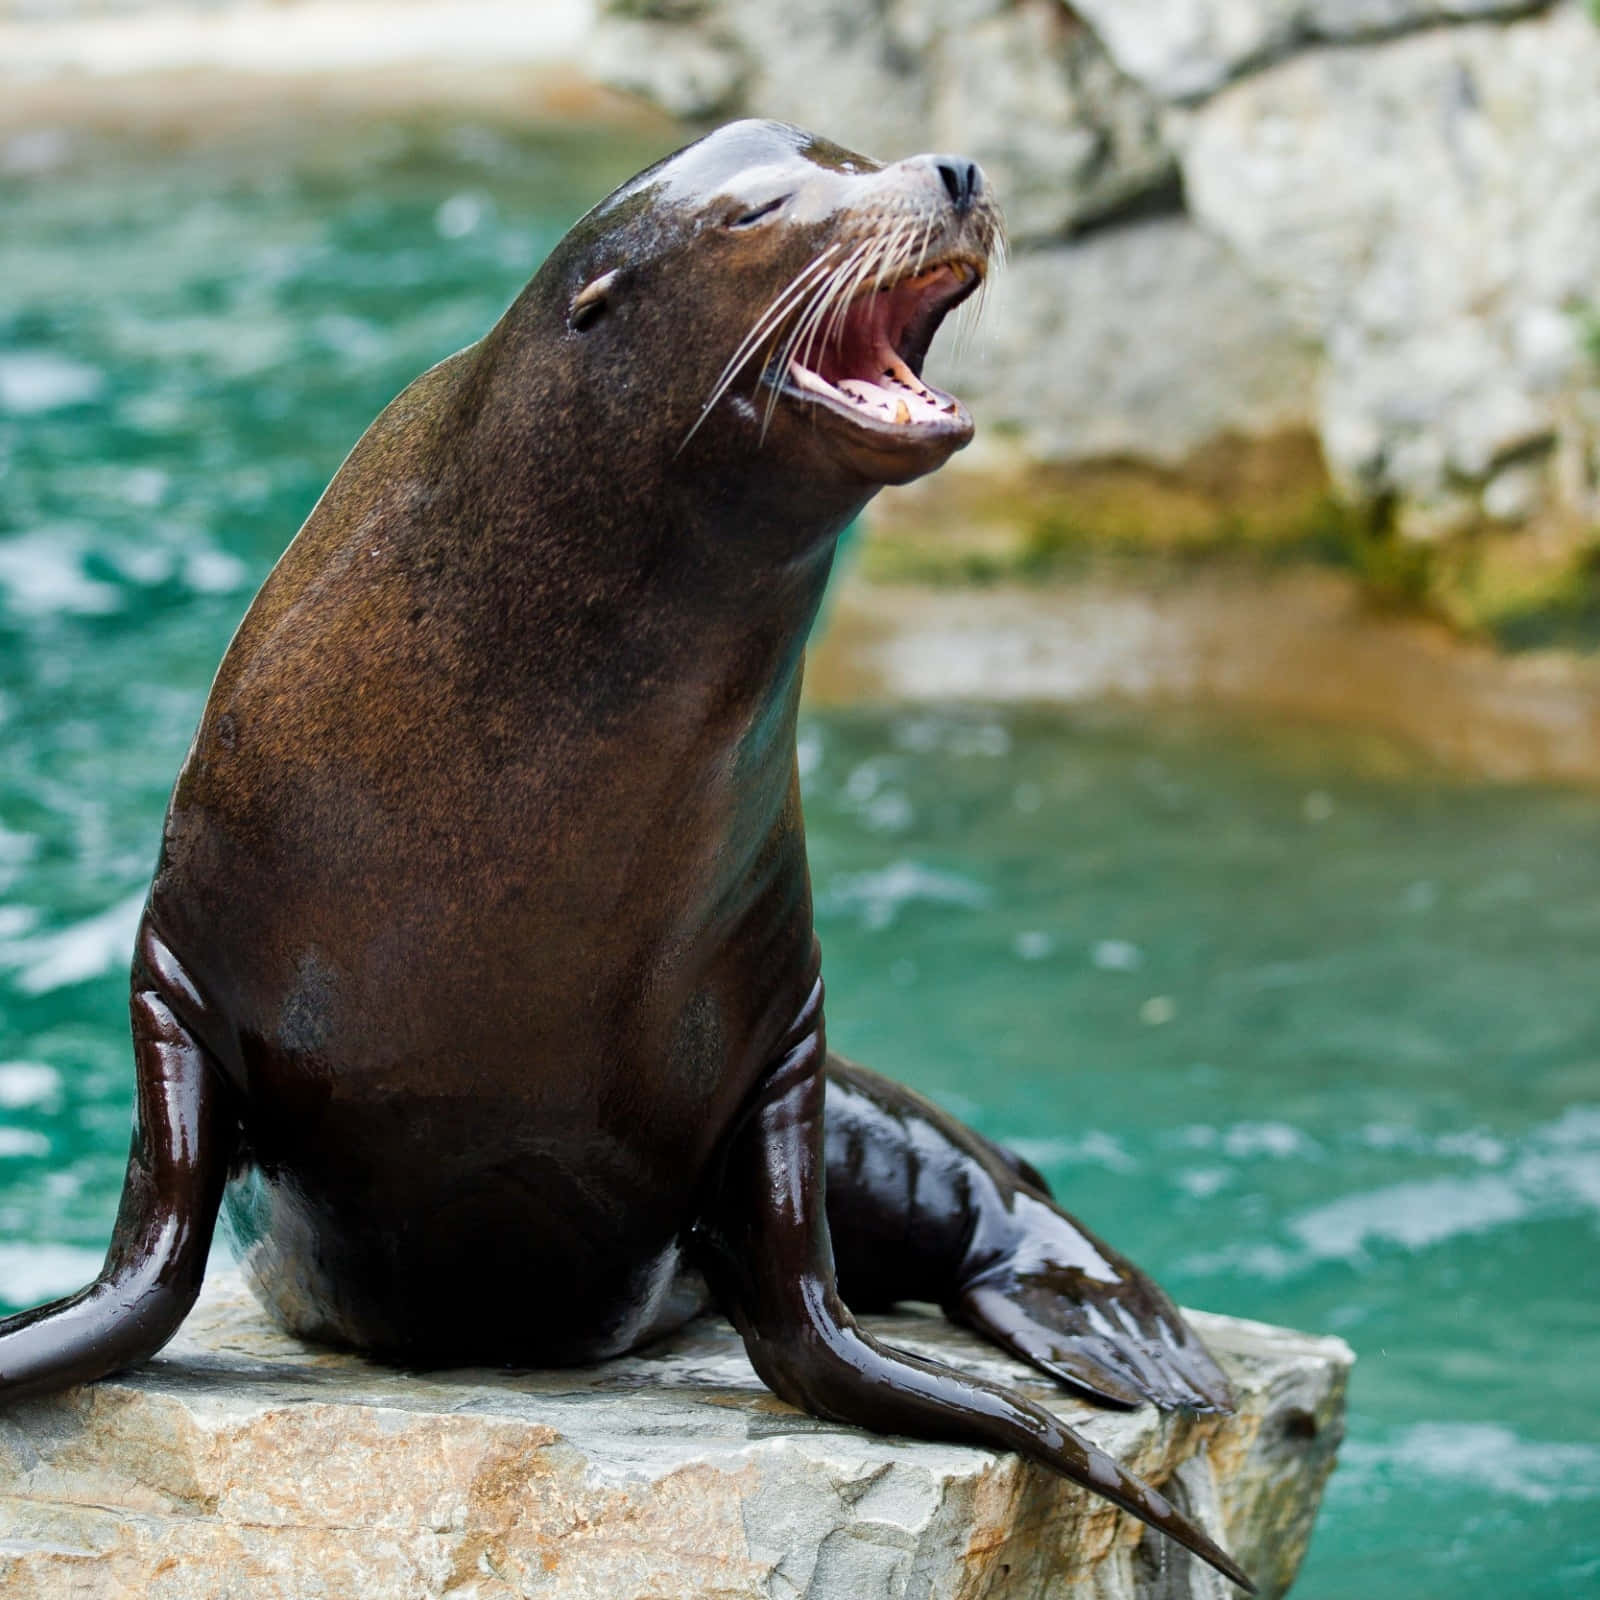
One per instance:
(1160, 1365)
(1047, 1288)
(988, 1310)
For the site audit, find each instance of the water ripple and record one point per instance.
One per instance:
(75, 954)
(877, 898)
(1554, 1171)
(1486, 1455)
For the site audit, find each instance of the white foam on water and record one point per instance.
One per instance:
(16, 849)
(808, 751)
(1552, 1172)
(1570, 1176)
(214, 572)
(1486, 1455)
(1577, 1125)
(22, 1142)
(1116, 955)
(1276, 1139)
(1203, 1182)
(462, 214)
(144, 564)
(1416, 1214)
(890, 812)
(27, 1083)
(31, 1273)
(86, 950)
(1094, 1148)
(1268, 1261)
(1475, 1145)
(41, 573)
(878, 897)
(36, 381)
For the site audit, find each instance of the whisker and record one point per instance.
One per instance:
(922, 249)
(796, 290)
(871, 262)
(809, 315)
(836, 296)
(767, 323)
(834, 331)
(842, 291)
(891, 250)
(868, 259)
(804, 321)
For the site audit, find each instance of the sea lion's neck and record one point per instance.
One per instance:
(679, 542)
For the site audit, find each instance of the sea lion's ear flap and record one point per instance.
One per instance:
(590, 302)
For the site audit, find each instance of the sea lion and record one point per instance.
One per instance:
(478, 966)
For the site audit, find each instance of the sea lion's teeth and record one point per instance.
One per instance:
(805, 378)
(900, 373)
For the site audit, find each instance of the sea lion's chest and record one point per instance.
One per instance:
(580, 902)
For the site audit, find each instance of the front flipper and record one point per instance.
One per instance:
(923, 1208)
(183, 1139)
(763, 1243)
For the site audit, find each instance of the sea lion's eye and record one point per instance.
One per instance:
(591, 302)
(750, 217)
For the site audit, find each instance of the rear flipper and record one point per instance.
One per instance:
(762, 1241)
(183, 1140)
(922, 1208)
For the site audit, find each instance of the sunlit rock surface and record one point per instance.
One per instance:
(1182, 48)
(1061, 364)
(1430, 208)
(242, 1463)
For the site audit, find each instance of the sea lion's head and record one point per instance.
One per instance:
(764, 296)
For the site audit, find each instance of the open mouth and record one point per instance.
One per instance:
(870, 371)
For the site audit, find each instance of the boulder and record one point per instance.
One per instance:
(241, 1463)
(1141, 342)
(1429, 211)
(1184, 49)
(1021, 85)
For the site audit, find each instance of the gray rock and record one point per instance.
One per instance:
(855, 72)
(1411, 223)
(242, 1464)
(1140, 342)
(1183, 49)
(692, 73)
(1430, 211)
(1021, 85)
(1063, 135)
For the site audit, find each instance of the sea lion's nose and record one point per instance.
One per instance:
(963, 180)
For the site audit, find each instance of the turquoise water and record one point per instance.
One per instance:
(1306, 1026)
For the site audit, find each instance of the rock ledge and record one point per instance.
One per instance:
(243, 1464)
